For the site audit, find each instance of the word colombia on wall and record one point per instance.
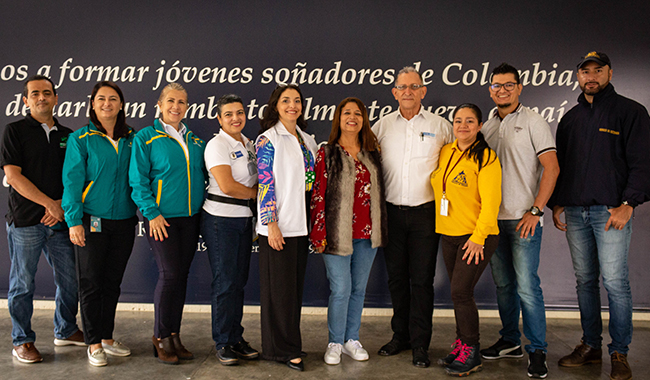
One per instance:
(451, 75)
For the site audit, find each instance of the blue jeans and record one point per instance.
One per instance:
(229, 242)
(596, 252)
(514, 270)
(348, 277)
(25, 247)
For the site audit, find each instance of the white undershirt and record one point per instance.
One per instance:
(177, 135)
(48, 130)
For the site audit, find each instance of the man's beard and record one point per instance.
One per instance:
(592, 91)
(505, 105)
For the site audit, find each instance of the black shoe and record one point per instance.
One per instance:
(502, 349)
(421, 358)
(467, 361)
(455, 350)
(245, 351)
(226, 356)
(393, 347)
(537, 367)
(300, 366)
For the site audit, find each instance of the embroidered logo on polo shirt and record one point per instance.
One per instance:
(460, 179)
(518, 129)
(64, 142)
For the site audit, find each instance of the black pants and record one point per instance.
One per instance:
(463, 278)
(100, 269)
(174, 256)
(411, 264)
(282, 278)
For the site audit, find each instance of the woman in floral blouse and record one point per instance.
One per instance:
(285, 163)
(348, 214)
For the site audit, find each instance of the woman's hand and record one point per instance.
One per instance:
(78, 235)
(276, 241)
(157, 228)
(472, 251)
(320, 249)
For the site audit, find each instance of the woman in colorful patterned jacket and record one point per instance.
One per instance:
(101, 215)
(348, 213)
(285, 164)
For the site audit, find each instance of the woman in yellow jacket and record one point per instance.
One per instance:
(467, 187)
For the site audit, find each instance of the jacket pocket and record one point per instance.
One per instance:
(159, 192)
(83, 195)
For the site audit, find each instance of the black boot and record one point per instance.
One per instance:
(455, 350)
(467, 361)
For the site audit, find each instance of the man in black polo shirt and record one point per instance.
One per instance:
(33, 150)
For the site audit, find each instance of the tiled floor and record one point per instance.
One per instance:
(135, 329)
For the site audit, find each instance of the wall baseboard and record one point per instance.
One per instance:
(372, 312)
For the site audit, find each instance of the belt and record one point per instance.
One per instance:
(418, 207)
(250, 203)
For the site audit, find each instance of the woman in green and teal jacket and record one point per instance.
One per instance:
(101, 215)
(168, 176)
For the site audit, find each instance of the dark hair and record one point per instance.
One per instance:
(367, 139)
(477, 150)
(38, 77)
(505, 68)
(121, 128)
(271, 115)
(227, 99)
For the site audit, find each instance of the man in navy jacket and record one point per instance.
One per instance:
(603, 148)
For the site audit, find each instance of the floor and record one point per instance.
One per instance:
(135, 329)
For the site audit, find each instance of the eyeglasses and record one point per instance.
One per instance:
(508, 86)
(413, 86)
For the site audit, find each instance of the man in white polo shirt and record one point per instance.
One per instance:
(410, 140)
(524, 143)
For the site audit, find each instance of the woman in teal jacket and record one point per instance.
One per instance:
(101, 215)
(168, 176)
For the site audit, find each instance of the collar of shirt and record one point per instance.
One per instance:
(233, 143)
(495, 112)
(172, 131)
(399, 114)
(48, 130)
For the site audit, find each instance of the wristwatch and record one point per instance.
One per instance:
(535, 211)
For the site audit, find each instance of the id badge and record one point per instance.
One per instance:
(444, 206)
(95, 224)
(252, 168)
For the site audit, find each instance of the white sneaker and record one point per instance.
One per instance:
(97, 358)
(333, 353)
(355, 350)
(116, 349)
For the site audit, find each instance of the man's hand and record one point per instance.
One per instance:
(53, 213)
(527, 224)
(619, 217)
(557, 211)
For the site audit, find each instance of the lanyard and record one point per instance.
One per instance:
(445, 176)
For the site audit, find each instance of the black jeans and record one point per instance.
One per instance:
(463, 278)
(411, 264)
(100, 269)
(174, 257)
(282, 278)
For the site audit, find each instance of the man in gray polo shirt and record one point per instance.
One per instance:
(524, 143)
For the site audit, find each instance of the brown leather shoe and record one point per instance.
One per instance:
(76, 339)
(27, 353)
(620, 368)
(163, 349)
(181, 351)
(581, 355)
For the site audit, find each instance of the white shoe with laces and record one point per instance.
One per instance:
(333, 353)
(355, 350)
(116, 349)
(97, 358)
